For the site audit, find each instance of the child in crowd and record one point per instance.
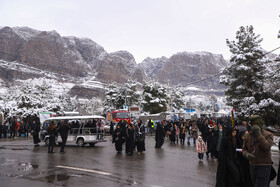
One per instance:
(200, 148)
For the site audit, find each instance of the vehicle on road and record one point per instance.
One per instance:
(81, 134)
(118, 115)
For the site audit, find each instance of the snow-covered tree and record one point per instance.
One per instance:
(118, 95)
(247, 73)
(177, 98)
(154, 98)
(34, 96)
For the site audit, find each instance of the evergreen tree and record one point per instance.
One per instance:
(246, 73)
(154, 98)
(119, 95)
(34, 96)
(177, 99)
(270, 104)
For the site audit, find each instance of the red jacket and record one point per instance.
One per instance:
(17, 126)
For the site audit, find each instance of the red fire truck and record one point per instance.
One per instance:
(117, 115)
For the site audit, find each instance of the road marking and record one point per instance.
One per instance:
(86, 170)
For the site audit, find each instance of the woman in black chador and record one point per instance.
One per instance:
(129, 136)
(118, 138)
(140, 136)
(228, 174)
(159, 135)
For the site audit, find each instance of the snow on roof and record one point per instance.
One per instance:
(192, 88)
(75, 117)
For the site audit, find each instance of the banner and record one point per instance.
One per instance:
(45, 115)
(232, 119)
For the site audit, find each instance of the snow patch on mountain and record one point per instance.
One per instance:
(152, 65)
(31, 70)
(25, 32)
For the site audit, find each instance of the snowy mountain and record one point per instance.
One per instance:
(186, 67)
(69, 56)
(26, 53)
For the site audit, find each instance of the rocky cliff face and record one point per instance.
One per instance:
(185, 67)
(78, 57)
(28, 53)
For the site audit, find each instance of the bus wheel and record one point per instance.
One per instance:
(47, 141)
(92, 144)
(80, 142)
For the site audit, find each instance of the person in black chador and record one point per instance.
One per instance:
(159, 135)
(228, 174)
(122, 124)
(111, 128)
(51, 133)
(63, 130)
(129, 136)
(118, 138)
(140, 136)
(211, 144)
(243, 164)
(35, 129)
(278, 175)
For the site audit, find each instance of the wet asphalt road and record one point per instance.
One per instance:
(174, 165)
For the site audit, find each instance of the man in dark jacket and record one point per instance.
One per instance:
(63, 130)
(256, 148)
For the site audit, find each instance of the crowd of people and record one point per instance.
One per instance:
(243, 151)
(17, 129)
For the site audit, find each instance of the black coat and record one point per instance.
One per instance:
(159, 136)
(111, 128)
(63, 130)
(130, 137)
(227, 172)
(118, 138)
(278, 175)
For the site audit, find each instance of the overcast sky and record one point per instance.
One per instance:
(149, 28)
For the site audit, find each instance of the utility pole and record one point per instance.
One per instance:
(213, 103)
(169, 100)
(125, 98)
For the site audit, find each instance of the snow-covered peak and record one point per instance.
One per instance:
(216, 59)
(153, 65)
(25, 32)
(89, 42)
(124, 56)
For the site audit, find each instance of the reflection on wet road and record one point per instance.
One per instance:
(173, 165)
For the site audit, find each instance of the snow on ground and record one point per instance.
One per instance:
(57, 88)
(28, 69)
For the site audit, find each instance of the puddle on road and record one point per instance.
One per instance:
(57, 177)
(52, 178)
(27, 166)
(14, 176)
(19, 149)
